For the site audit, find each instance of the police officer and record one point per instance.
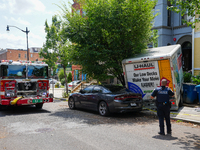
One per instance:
(163, 104)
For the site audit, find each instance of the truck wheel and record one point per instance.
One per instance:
(3, 107)
(51, 95)
(39, 106)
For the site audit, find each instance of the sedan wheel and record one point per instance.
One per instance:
(71, 103)
(103, 109)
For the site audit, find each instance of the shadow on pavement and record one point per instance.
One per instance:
(93, 118)
(165, 137)
(21, 110)
(190, 141)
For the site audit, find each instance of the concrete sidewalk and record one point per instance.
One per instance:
(185, 113)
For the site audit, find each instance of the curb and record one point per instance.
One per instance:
(191, 105)
(176, 118)
(186, 120)
(62, 99)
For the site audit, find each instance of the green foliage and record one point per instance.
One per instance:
(196, 79)
(62, 81)
(65, 95)
(155, 38)
(187, 77)
(57, 85)
(191, 7)
(51, 41)
(69, 77)
(111, 31)
(61, 74)
(179, 121)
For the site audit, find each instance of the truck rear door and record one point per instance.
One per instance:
(144, 77)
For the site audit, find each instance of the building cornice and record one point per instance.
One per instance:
(162, 27)
(167, 27)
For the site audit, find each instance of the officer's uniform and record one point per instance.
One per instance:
(163, 107)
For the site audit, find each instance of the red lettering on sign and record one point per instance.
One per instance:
(145, 68)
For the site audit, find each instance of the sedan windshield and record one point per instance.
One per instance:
(37, 72)
(13, 71)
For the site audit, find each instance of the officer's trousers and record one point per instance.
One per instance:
(163, 111)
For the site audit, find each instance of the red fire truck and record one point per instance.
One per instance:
(24, 83)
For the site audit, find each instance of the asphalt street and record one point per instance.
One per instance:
(56, 127)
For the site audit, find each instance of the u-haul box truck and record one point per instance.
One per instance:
(144, 73)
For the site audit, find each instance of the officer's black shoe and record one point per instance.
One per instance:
(161, 133)
(169, 133)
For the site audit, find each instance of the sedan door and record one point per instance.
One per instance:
(96, 96)
(85, 97)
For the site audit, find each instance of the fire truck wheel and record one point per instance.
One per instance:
(3, 107)
(51, 95)
(71, 103)
(39, 106)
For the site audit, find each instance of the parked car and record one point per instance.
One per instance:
(73, 84)
(106, 99)
(52, 81)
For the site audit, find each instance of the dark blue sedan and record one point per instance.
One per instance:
(106, 99)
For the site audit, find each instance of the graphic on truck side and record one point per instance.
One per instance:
(136, 89)
(143, 77)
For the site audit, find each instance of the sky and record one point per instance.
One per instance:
(26, 13)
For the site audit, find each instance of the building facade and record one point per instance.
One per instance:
(172, 30)
(20, 54)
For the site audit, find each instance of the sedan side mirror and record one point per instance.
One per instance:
(81, 91)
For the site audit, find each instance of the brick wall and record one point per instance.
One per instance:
(14, 55)
(77, 7)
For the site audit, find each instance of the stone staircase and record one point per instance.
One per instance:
(82, 85)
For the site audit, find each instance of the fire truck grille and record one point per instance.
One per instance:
(27, 86)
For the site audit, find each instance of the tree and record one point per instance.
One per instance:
(57, 48)
(49, 49)
(191, 7)
(110, 31)
(69, 77)
(61, 74)
(64, 55)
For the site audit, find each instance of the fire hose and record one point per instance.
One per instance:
(13, 102)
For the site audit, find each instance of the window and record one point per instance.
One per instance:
(185, 18)
(25, 56)
(88, 89)
(168, 14)
(169, 18)
(97, 90)
(13, 71)
(19, 56)
(31, 55)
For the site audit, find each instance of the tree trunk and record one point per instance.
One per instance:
(65, 80)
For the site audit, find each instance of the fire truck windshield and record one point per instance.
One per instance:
(13, 71)
(35, 72)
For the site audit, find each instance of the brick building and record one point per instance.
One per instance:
(20, 54)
